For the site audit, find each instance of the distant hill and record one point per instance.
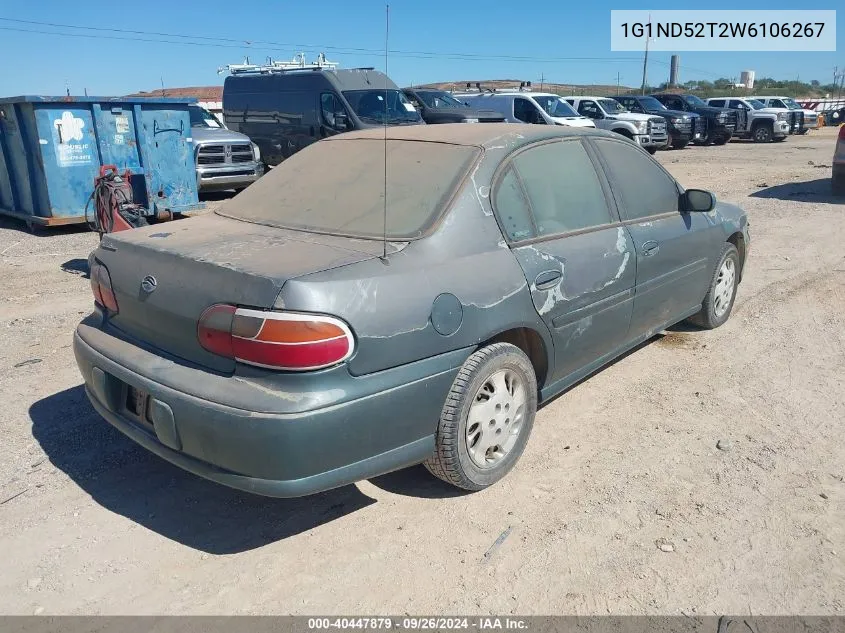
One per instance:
(200, 93)
(561, 89)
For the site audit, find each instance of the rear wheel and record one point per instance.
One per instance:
(721, 140)
(487, 418)
(679, 144)
(719, 300)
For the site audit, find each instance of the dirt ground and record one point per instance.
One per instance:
(621, 504)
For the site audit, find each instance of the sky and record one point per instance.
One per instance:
(429, 40)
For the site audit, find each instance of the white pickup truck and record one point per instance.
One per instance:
(801, 119)
(647, 131)
(754, 120)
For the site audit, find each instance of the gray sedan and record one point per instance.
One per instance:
(312, 333)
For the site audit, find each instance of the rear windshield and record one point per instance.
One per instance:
(338, 186)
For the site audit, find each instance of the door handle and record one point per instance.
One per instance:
(547, 279)
(650, 248)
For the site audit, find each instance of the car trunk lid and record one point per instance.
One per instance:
(191, 264)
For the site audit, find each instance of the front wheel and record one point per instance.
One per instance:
(719, 300)
(762, 134)
(651, 150)
(721, 140)
(487, 418)
(679, 144)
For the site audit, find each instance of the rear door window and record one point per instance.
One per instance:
(561, 187)
(717, 103)
(641, 186)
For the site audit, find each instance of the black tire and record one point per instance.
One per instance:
(761, 133)
(679, 144)
(651, 150)
(625, 133)
(837, 186)
(451, 460)
(803, 132)
(779, 139)
(722, 140)
(707, 317)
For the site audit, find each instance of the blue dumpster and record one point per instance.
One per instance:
(51, 149)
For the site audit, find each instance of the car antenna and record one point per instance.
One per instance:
(384, 123)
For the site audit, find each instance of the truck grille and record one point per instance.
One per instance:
(224, 154)
(684, 127)
(796, 121)
(657, 128)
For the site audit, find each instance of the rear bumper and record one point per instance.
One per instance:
(388, 424)
(211, 178)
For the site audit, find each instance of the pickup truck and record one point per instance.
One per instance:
(800, 119)
(224, 159)
(683, 126)
(754, 120)
(647, 131)
(438, 106)
(719, 123)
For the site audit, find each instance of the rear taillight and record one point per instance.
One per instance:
(101, 287)
(292, 341)
(842, 132)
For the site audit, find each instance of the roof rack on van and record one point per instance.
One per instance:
(524, 86)
(272, 66)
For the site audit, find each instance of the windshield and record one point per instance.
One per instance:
(694, 101)
(371, 107)
(612, 106)
(201, 117)
(555, 106)
(792, 104)
(438, 99)
(756, 105)
(650, 103)
(337, 186)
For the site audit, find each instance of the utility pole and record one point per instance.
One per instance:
(542, 81)
(617, 83)
(645, 59)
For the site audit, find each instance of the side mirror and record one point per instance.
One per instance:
(341, 121)
(699, 200)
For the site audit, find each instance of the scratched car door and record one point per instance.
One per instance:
(675, 251)
(555, 209)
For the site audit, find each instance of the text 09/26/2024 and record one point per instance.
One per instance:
(723, 30)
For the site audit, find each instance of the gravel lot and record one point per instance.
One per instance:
(622, 502)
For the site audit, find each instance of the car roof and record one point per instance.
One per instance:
(590, 97)
(505, 93)
(487, 135)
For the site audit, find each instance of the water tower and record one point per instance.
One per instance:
(746, 78)
(675, 63)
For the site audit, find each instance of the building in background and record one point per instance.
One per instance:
(746, 79)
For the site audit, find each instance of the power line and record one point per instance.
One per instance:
(242, 43)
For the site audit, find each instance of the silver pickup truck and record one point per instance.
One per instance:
(224, 159)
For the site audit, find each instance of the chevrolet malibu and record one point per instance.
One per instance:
(374, 303)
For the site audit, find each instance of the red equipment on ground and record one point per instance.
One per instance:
(114, 206)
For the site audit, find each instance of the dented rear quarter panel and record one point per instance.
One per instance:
(392, 306)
